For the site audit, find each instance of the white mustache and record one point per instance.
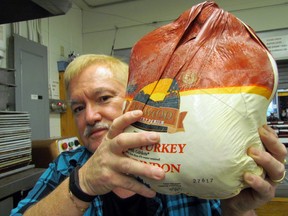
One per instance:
(98, 125)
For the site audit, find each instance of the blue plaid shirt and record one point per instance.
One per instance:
(160, 204)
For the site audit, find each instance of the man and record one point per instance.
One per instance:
(102, 181)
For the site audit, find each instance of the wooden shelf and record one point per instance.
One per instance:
(276, 207)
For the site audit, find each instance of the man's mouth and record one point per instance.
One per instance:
(96, 130)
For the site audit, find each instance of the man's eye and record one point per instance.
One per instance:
(77, 109)
(104, 98)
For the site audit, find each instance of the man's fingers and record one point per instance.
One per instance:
(130, 166)
(126, 141)
(272, 143)
(120, 123)
(130, 183)
(274, 168)
(273, 160)
(264, 191)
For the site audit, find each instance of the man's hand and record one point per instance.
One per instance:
(262, 190)
(110, 168)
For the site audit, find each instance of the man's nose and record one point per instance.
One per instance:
(92, 115)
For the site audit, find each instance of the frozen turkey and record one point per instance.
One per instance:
(204, 82)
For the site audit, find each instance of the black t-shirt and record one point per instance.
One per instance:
(134, 205)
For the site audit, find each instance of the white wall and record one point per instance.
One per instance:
(63, 31)
(99, 26)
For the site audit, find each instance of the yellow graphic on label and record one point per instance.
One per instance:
(160, 102)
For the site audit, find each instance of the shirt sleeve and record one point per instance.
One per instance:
(54, 175)
(47, 182)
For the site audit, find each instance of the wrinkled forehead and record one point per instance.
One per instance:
(102, 71)
(92, 77)
(92, 74)
(89, 63)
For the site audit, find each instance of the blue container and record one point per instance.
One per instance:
(62, 65)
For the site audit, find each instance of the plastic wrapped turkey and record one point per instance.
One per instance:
(204, 82)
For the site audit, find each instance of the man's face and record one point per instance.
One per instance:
(96, 100)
